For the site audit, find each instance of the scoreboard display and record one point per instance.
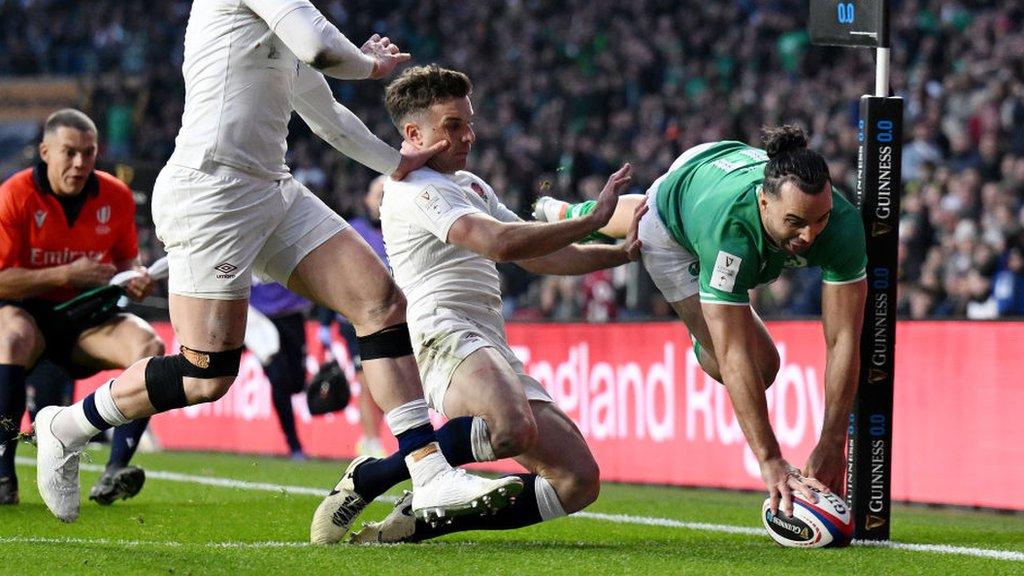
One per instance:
(848, 23)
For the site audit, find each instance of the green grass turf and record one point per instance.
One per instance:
(172, 528)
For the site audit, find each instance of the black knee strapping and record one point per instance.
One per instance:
(164, 374)
(163, 383)
(391, 342)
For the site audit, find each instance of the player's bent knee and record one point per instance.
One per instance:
(388, 311)
(209, 390)
(17, 335)
(513, 436)
(16, 343)
(584, 485)
(215, 372)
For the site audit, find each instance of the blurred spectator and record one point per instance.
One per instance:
(582, 85)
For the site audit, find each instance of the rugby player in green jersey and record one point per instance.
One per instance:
(725, 218)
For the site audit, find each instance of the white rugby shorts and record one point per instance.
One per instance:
(219, 228)
(674, 269)
(443, 339)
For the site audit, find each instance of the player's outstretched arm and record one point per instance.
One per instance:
(511, 241)
(576, 259)
(734, 334)
(842, 307)
(318, 43)
(343, 130)
(338, 126)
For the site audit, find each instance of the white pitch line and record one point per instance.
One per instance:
(943, 549)
(158, 543)
(649, 521)
(614, 518)
(206, 480)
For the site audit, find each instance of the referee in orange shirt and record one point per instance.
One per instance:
(66, 227)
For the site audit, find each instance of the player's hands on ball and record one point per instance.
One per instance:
(632, 243)
(609, 197)
(827, 463)
(783, 480)
(88, 273)
(386, 56)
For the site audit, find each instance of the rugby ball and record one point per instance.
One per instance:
(826, 523)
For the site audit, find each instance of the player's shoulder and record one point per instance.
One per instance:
(420, 180)
(737, 217)
(720, 148)
(466, 177)
(739, 236)
(841, 200)
(845, 215)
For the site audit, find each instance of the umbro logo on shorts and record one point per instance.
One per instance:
(226, 270)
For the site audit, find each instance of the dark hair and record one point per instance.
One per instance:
(68, 118)
(421, 86)
(789, 160)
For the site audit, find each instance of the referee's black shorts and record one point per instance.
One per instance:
(58, 333)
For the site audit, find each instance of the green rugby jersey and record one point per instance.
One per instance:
(709, 205)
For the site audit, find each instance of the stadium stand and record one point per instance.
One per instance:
(583, 85)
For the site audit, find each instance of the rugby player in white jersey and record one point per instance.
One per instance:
(226, 206)
(444, 229)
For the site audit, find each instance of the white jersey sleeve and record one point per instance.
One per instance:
(338, 126)
(312, 38)
(272, 11)
(437, 206)
(497, 210)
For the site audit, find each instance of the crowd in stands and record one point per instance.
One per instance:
(566, 90)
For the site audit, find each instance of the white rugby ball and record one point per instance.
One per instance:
(826, 523)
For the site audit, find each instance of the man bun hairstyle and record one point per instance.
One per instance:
(418, 87)
(789, 160)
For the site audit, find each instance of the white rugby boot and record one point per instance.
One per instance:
(56, 468)
(398, 526)
(453, 492)
(335, 514)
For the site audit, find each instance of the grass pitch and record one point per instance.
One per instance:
(180, 526)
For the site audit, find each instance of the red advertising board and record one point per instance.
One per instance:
(650, 414)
